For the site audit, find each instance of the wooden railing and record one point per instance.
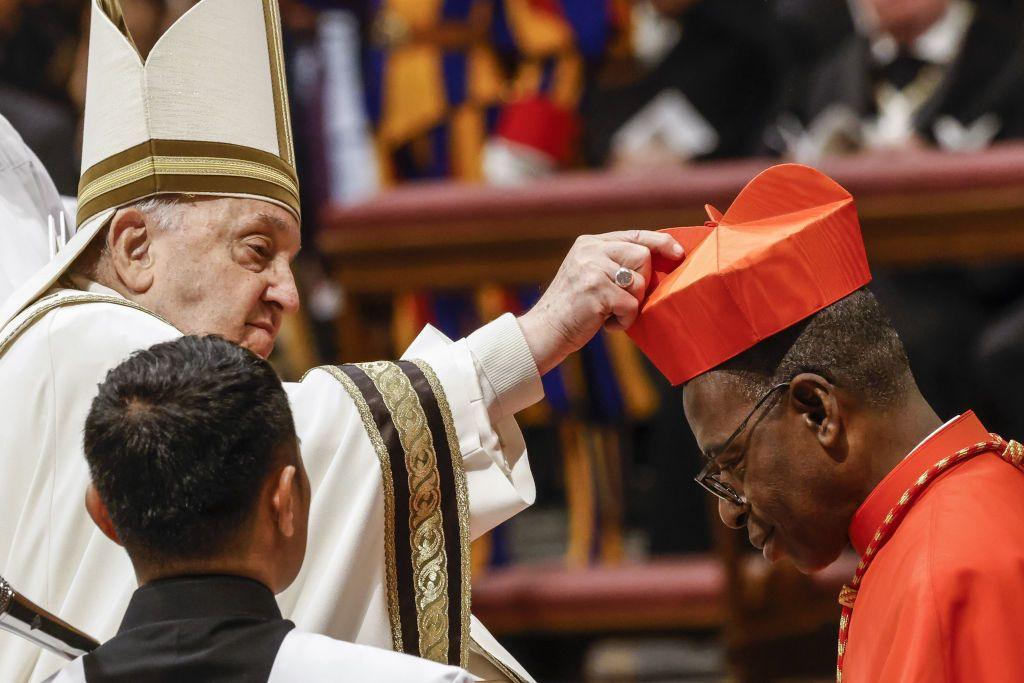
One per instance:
(689, 592)
(915, 208)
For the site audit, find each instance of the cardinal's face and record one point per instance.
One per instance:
(796, 503)
(223, 266)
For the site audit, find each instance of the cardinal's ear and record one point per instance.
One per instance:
(814, 398)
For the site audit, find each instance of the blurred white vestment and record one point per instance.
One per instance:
(28, 199)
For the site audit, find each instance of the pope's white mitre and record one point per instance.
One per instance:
(205, 113)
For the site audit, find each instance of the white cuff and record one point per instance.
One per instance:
(506, 365)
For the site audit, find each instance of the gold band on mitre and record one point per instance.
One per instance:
(185, 166)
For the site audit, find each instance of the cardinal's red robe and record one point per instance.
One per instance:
(943, 599)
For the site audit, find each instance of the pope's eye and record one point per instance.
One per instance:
(259, 249)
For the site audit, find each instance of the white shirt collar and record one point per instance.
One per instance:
(940, 44)
(926, 439)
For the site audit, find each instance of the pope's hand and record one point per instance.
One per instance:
(584, 296)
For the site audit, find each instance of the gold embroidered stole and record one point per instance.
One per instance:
(426, 505)
(37, 310)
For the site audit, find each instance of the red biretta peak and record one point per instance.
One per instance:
(789, 246)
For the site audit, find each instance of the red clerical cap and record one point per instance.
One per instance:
(789, 246)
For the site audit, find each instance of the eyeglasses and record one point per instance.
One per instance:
(710, 475)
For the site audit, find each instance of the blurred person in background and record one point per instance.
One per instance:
(38, 39)
(483, 89)
(325, 43)
(551, 52)
(705, 80)
(28, 203)
(911, 74)
(948, 73)
(432, 81)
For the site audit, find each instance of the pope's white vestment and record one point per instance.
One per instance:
(50, 550)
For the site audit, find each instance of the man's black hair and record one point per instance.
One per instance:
(851, 343)
(179, 442)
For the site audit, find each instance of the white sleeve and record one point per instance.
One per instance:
(311, 658)
(504, 364)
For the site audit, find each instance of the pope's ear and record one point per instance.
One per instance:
(129, 239)
(814, 398)
(100, 515)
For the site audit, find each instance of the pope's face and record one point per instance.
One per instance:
(224, 267)
(796, 504)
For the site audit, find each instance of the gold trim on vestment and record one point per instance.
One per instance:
(426, 530)
(462, 503)
(381, 450)
(48, 303)
(278, 81)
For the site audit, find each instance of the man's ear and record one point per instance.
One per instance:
(129, 240)
(99, 513)
(814, 398)
(284, 502)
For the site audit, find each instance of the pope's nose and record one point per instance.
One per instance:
(283, 291)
